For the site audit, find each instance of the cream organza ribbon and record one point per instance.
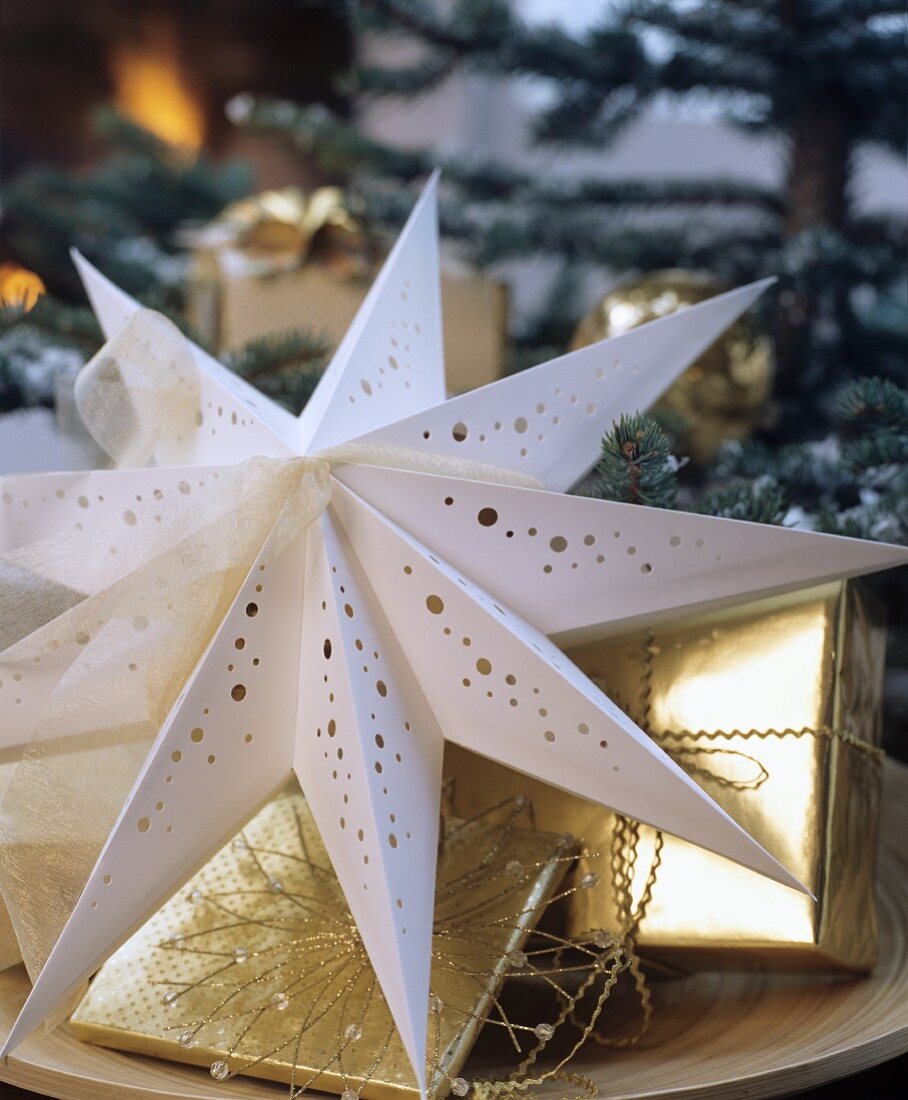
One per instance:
(118, 643)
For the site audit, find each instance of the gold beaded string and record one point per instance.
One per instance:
(596, 957)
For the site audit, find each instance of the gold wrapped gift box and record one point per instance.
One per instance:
(784, 697)
(230, 303)
(224, 975)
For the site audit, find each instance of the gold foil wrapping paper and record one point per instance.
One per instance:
(796, 685)
(125, 1006)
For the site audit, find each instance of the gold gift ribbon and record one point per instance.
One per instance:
(136, 640)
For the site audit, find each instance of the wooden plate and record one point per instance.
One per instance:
(716, 1035)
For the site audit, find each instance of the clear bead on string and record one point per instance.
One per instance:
(518, 959)
(220, 1071)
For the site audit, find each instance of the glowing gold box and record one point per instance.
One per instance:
(783, 700)
(256, 963)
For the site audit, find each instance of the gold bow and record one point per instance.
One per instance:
(282, 230)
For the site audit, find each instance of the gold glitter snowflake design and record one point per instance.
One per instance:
(257, 966)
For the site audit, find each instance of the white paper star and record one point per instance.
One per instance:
(417, 607)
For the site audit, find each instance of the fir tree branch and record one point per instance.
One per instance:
(73, 324)
(275, 354)
(873, 413)
(870, 404)
(337, 145)
(883, 448)
(286, 367)
(738, 29)
(760, 501)
(637, 466)
(486, 33)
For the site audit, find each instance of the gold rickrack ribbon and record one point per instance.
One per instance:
(701, 761)
(121, 636)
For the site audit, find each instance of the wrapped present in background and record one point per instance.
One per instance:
(775, 709)
(256, 966)
(284, 260)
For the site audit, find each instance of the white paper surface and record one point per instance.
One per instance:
(548, 421)
(391, 361)
(574, 566)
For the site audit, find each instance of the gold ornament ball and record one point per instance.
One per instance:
(725, 393)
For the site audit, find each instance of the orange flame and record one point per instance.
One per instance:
(151, 89)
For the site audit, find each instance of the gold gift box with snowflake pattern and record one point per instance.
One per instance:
(256, 965)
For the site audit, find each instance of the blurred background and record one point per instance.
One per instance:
(241, 165)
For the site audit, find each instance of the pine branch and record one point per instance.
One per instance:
(71, 324)
(593, 239)
(337, 146)
(860, 488)
(760, 501)
(741, 30)
(884, 519)
(688, 69)
(807, 473)
(456, 30)
(37, 344)
(487, 34)
(842, 11)
(121, 215)
(285, 367)
(884, 448)
(873, 414)
(873, 404)
(637, 466)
